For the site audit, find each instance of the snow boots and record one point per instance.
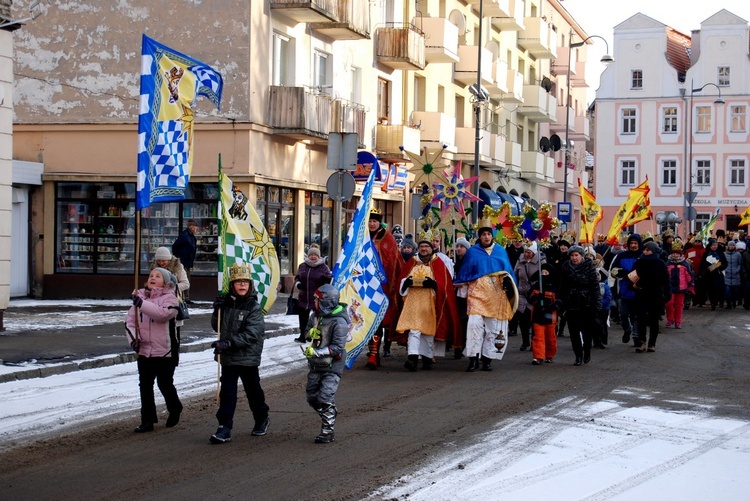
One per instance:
(473, 364)
(327, 414)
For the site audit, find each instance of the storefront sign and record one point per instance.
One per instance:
(365, 163)
(742, 202)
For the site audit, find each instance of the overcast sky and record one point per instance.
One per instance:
(599, 17)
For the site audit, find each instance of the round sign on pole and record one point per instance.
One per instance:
(340, 186)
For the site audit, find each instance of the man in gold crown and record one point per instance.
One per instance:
(239, 349)
(429, 318)
(390, 256)
(492, 298)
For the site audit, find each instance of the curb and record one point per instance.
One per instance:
(114, 359)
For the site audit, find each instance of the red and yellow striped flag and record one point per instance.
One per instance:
(591, 214)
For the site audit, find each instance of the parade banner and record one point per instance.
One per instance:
(641, 194)
(622, 217)
(745, 217)
(358, 275)
(591, 214)
(705, 233)
(244, 240)
(170, 84)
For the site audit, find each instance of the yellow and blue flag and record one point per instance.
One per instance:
(244, 240)
(358, 275)
(170, 84)
(705, 232)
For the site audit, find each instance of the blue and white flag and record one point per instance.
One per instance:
(358, 275)
(170, 84)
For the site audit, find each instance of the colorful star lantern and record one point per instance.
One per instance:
(450, 225)
(427, 164)
(454, 192)
(505, 225)
(537, 223)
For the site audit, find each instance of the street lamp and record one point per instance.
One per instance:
(480, 96)
(687, 183)
(606, 60)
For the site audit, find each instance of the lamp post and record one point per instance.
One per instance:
(689, 195)
(480, 96)
(606, 59)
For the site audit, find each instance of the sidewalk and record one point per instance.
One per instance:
(43, 338)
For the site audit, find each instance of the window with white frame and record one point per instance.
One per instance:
(670, 120)
(356, 93)
(322, 76)
(739, 113)
(701, 220)
(704, 118)
(703, 172)
(669, 173)
(282, 60)
(628, 120)
(737, 172)
(627, 173)
(723, 74)
(636, 79)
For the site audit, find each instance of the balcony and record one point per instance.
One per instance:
(494, 8)
(348, 117)
(549, 169)
(295, 112)
(536, 104)
(513, 19)
(497, 151)
(466, 141)
(538, 38)
(390, 138)
(436, 127)
(581, 131)
(400, 46)
(351, 21)
(499, 77)
(465, 70)
(441, 40)
(515, 87)
(307, 12)
(533, 166)
(513, 156)
(559, 125)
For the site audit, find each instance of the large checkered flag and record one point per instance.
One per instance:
(358, 274)
(244, 240)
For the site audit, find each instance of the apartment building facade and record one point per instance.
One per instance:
(398, 74)
(674, 108)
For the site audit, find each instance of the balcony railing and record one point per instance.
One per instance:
(351, 21)
(499, 77)
(538, 104)
(466, 142)
(441, 40)
(581, 128)
(348, 117)
(307, 12)
(390, 138)
(297, 112)
(533, 165)
(400, 46)
(436, 127)
(515, 87)
(513, 20)
(465, 70)
(538, 38)
(494, 8)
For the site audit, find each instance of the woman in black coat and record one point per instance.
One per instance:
(581, 298)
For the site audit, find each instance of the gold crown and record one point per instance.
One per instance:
(375, 210)
(424, 236)
(677, 246)
(239, 272)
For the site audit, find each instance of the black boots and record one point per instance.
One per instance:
(473, 364)
(411, 363)
(427, 364)
(579, 361)
(486, 364)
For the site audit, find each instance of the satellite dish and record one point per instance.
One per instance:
(544, 144)
(555, 142)
(546, 84)
(457, 18)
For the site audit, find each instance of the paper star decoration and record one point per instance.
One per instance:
(426, 164)
(506, 225)
(454, 192)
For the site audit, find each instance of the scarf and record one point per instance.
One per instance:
(313, 264)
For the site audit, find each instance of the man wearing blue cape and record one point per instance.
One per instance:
(492, 298)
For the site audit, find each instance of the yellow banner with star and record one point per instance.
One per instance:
(745, 217)
(591, 214)
(642, 197)
(244, 240)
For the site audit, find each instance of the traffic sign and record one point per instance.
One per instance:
(340, 186)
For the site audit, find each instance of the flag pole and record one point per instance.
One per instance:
(137, 269)
(220, 265)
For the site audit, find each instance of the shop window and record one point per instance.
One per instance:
(276, 211)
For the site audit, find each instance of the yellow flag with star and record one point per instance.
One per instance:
(745, 217)
(244, 240)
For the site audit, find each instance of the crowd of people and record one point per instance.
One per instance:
(467, 300)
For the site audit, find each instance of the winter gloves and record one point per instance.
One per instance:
(137, 300)
(311, 352)
(136, 345)
(221, 346)
(218, 302)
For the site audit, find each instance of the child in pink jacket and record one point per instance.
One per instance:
(681, 280)
(154, 341)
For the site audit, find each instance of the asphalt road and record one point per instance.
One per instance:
(390, 422)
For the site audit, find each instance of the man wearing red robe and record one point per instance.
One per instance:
(390, 257)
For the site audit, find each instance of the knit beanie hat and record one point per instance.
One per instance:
(314, 250)
(169, 279)
(575, 248)
(741, 245)
(464, 243)
(532, 247)
(652, 246)
(732, 243)
(163, 254)
(408, 242)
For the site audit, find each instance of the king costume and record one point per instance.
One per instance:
(491, 301)
(429, 318)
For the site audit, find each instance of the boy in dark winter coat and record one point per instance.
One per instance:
(581, 298)
(650, 280)
(239, 349)
(326, 356)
